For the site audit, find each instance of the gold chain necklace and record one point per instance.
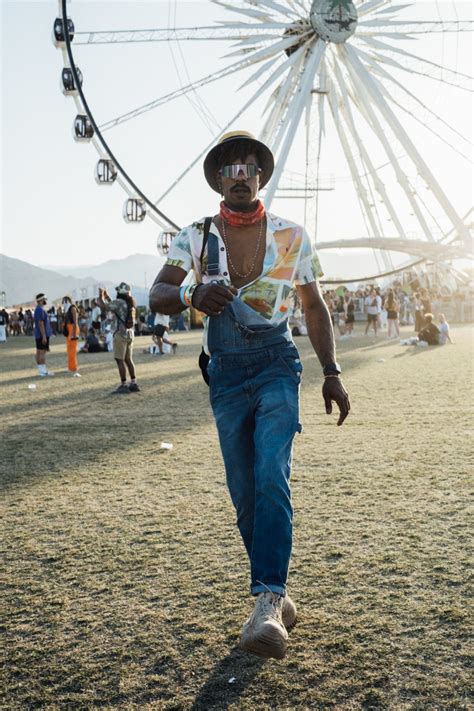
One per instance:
(224, 237)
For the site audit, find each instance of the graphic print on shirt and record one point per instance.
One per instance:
(290, 259)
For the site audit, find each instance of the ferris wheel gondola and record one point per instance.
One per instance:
(312, 59)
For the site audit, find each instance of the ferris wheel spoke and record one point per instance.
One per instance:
(206, 33)
(276, 7)
(358, 70)
(384, 47)
(392, 9)
(256, 14)
(366, 205)
(166, 98)
(314, 56)
(399, 36)
(370, 6)
(287, 64)
(275, 48)
(244, 27)
(244, 108)
(303, 4)
(370, 168)
(279, 101)
(254, 40)
(364, 104)
(380, 71)
(420, 26)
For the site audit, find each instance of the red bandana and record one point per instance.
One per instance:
(238, 219)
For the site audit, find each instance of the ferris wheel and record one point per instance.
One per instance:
(316, 65)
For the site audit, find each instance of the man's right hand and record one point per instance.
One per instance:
(211, 299)
(44, 340)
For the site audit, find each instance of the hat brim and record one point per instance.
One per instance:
(267, 163)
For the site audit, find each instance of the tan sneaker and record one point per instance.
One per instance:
(264, 633)
(288, 613)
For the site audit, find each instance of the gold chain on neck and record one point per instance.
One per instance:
(224, 237)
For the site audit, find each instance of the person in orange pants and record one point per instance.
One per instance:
(71, 327)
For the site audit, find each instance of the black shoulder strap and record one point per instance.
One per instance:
(207, 227)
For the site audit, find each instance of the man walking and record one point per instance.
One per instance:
(245, 276)
(124, 310)
(42, 333)
(160, 328)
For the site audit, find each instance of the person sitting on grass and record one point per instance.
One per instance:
(92, 344)
(444, 336)
(430, 332)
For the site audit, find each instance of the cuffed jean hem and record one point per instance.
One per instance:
(257, 589)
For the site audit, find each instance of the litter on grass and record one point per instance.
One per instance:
(166, 445)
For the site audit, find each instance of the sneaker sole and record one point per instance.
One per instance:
(265, 646)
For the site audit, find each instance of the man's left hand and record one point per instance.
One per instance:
(333, 389)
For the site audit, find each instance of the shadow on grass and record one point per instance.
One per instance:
(218, 691)
(413, 350)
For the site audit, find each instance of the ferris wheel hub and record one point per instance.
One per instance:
(333, 20)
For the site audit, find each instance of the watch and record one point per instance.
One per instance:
(332, 369)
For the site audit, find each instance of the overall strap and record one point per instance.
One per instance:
(213, 255)
(207, 227)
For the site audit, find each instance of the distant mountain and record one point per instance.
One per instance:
(137, 269)
(336, 264)
(21, 282)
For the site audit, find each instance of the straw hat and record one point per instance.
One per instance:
(264, 154)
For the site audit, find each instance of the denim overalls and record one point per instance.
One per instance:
(254, 374)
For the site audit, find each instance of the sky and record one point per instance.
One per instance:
(53, 212)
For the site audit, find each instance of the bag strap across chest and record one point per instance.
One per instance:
(210, 241)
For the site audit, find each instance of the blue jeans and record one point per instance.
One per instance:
(254, 391)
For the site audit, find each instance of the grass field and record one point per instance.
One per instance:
(125, 580)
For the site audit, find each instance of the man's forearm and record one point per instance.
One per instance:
(164, 299)
(321, 333)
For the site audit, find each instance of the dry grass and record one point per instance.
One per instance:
(126, 582)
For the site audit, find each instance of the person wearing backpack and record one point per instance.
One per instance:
(124, 310)
(246, 262)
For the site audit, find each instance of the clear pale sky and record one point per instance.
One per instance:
(53, 212)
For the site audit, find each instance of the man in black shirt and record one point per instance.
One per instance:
(430, 333)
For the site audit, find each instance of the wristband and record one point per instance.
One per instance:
(182, 295)
(186, 294)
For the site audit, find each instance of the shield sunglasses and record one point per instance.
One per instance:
(238, 170)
